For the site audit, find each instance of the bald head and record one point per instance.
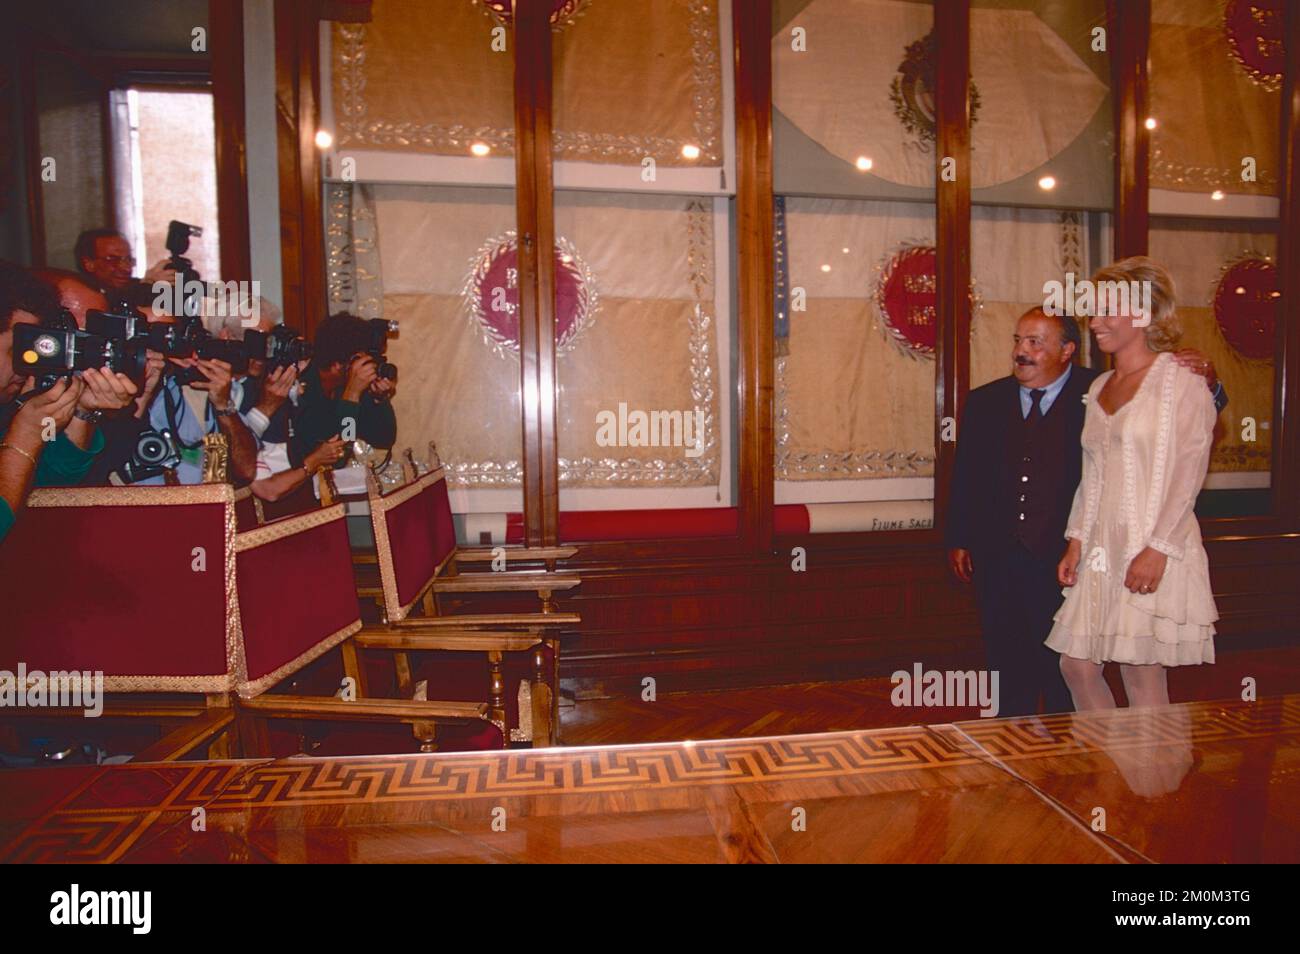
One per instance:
(74, 294)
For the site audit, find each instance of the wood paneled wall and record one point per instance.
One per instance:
(705, 623)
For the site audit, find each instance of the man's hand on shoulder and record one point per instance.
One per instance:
(959, 562)
(1197, 363)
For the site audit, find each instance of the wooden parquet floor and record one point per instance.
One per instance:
(864, 704)
(1206, 782)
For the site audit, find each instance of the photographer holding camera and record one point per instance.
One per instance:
(71, 409)
(105, 262)
(347, 388)
(268, 381)
(270, 398)
(189, 411)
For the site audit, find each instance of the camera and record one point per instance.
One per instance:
(177, 339)
(124, 326)
(281, 347)
(178, 243)
(154, 453)
(379, 330)
(136, 295)
(186, 337)
(52, 352)
(234, 353)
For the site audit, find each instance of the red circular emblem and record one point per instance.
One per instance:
(1245, 306)
(492, 293)
(905, 296)
(1254, 29)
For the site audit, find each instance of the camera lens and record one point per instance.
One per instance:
(152, 449)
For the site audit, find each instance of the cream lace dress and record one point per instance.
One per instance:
(1142, 469)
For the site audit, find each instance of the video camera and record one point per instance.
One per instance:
(379, 330)
(59, 348)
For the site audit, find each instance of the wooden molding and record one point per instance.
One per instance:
(1129, 29)
(536, 230)
(1286, 443)
(952, 228)
(297, 83)
(26, 78)
(226, 35)
(752, 29)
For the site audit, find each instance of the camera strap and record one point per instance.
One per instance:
(172, 408)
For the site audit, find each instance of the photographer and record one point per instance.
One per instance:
(265, 406)
(276, 478)
(73, 406)
(270, 400)
(182, 400)
(343, 393)
(72, 291)
(202, 407)
(105, 262)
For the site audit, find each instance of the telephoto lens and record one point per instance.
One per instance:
(176, 339)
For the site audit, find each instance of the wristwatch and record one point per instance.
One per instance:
(90, 417)
(226, 411)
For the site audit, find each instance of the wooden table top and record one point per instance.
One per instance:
(1200, 782)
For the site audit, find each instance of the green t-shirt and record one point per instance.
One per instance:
(62, 464)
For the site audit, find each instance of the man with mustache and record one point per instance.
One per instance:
(1018, 464)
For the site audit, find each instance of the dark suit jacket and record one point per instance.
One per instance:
(981, 473)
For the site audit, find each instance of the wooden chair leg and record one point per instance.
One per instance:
(402, 664)
(427, 733)
(554, 645)
(220, 746)
(352, 668)
(254, 739)
(497, 696)
(543, 731)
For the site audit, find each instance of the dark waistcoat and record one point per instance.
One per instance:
(1037, 483)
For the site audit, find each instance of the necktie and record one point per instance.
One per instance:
(1035, 406)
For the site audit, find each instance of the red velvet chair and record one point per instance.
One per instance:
(296, 603)
(96, 580)
(156, 589)
(414, 564)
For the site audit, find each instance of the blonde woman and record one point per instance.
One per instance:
(1136, 573)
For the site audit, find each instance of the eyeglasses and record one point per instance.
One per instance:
(127, 260)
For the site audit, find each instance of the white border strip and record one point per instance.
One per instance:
(1247, 480)
(1168, 202)
(854, 491)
